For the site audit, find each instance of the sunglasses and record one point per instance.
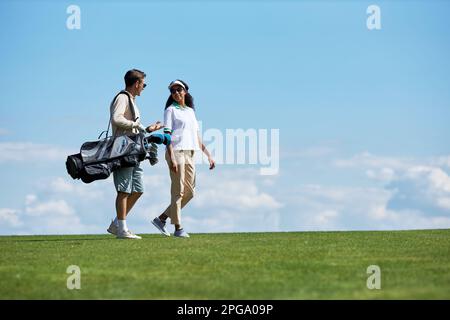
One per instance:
(145, 85)
(179, 90)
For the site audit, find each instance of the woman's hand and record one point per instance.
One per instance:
(173, 164)
(212, 163)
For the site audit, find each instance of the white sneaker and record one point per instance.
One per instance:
(112, 228)
(127, 234)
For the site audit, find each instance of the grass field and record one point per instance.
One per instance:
(293, 265)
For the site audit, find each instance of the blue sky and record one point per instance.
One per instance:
(363, 114)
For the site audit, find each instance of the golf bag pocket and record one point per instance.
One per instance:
(95, 172)
(74, 166)
(129, 161)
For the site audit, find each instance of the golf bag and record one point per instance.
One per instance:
(97, 159)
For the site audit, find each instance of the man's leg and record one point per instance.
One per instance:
(134, 186)
(123, 179)
(125, 186)
(131, 200)
(121, 209)
(137, 187)
(124, 203)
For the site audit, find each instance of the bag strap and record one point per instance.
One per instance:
(133, 113)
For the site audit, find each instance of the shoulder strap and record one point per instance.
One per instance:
(133, 113)
(112, 102)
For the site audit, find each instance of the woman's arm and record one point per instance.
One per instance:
(173, 161)
(212, 163)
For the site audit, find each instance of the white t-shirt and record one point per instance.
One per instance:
(181, 121)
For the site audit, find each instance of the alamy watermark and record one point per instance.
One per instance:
(73, 21)
(244, 146)
(74, 280)
(373, 21)
(374, 280)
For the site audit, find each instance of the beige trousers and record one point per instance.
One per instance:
(183, 183)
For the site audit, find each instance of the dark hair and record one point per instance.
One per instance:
(132, 76)
(188, 99)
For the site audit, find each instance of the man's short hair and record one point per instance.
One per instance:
(132, 76)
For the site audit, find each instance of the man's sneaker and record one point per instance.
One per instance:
(161, 226)
(127, 234)
(112, 228)
(181, 233)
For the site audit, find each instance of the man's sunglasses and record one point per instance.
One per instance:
(179, 90)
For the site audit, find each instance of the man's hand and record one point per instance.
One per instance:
(139, 126)
(154, 127)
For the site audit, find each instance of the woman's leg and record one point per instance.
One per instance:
(189, 178)
(173, 211)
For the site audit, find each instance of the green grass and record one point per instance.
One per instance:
(293, 265)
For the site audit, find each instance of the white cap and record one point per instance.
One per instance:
(177, 82)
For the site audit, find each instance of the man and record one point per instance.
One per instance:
(128, 181)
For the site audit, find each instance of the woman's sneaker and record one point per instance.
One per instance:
(161, 226)
(181, 233)
(127, 234)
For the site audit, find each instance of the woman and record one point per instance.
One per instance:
(181, 123)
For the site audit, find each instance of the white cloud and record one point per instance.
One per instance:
(354, 208)
(410, 219)
(9, 217)
(316, 207)
(382, 174)
(309, 152)
(228, 221)
(50, 216)
(30, 198)
(423, 187)
(52, 207)
(326, 217)
(155, 179)
(443, 161)
(420, 189)
(47, 211)
(31, 152)
(43, 218)
(368, 160)
(4, 132)
(239, 191)
(76, 188)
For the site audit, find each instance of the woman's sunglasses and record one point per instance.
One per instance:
(179, 90)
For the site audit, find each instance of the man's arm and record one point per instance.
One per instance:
(118, 114)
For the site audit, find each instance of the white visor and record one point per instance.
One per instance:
(176, 82)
